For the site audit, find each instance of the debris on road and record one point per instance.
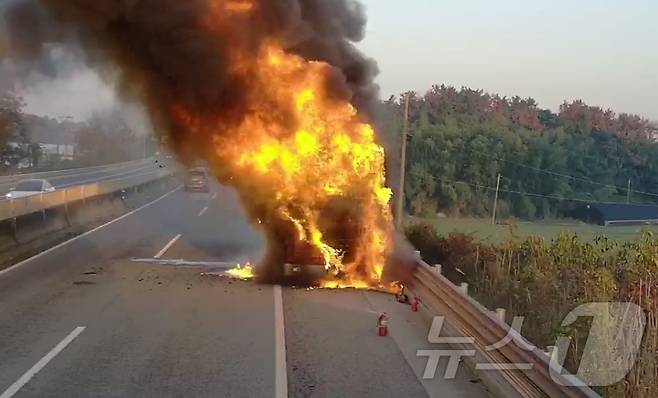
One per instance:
(78, 283)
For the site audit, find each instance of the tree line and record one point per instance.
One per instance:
(101, 139)
(460, 140)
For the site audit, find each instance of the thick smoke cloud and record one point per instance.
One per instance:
(165, 54)
(203, 71)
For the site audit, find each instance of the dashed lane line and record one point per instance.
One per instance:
(281, 368)
(48, 251)
(167, 246)
(203, 211)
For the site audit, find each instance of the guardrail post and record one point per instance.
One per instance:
(43, 210)
(501, 314)
(14, 229)
(66, 206)
(463, 287)
(437, 268)
(13, 221)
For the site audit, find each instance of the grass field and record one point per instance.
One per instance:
(503, 230)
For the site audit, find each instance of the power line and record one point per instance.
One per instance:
(537, 195)
(556, 174)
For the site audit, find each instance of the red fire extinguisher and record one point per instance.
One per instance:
(382, 325)
(415, 303)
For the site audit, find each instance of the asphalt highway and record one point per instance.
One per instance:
(65, 178)
(91, 318)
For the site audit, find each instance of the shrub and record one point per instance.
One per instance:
(544, 280)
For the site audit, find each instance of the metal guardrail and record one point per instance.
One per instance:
(12, 208)
(470, 319)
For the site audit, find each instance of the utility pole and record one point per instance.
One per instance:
(628, 192)
(399, 213)
(495, 206)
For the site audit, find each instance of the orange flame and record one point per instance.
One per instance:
(243, 272)
(297, 147)
(243, 6)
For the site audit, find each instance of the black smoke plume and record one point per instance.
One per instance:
(165, 53)
(178, 54)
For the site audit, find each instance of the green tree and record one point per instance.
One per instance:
(13, 139)
(11, 107)
(35, 154)
(462, 138)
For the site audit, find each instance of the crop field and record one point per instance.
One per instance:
(503, 230)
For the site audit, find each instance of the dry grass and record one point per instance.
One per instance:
(544, 279)
(549, 229)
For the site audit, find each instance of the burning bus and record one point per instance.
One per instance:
(277, 99)
(304, 262)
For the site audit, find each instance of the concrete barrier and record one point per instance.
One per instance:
(14, 208)
(26, 235)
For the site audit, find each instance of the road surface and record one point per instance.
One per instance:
(65, 178)
(84, 320)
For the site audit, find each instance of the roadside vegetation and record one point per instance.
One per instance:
(485, 231)
(544, 279)
(535, 261)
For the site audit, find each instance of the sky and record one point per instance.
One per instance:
(604, 52)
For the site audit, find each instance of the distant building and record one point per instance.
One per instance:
(55, 137)
(617, 214)
(65, 151)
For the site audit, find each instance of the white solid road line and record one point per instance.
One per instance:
(167, 246)
(203, 211)
(14, 388)
(280, 367)
(214, 196)
(47, 251)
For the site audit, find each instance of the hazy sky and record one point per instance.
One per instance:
(604, 52)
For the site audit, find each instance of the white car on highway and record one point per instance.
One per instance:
(30, 187)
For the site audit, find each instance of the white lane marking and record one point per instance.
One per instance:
(167, 246)
(281, 369)
(203, 211)
(14, 388)
(214, 196)
(50, 250)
